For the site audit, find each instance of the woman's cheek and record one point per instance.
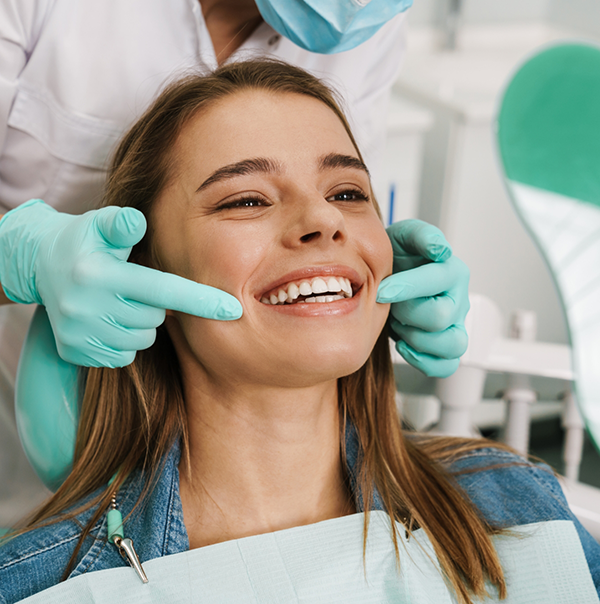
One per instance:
(378, 250)
(225, 254)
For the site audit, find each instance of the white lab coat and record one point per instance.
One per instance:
(75, 74)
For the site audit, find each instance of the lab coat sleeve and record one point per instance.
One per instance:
(21, 22)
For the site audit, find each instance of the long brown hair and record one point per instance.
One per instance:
(131, 416)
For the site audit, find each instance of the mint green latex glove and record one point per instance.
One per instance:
(102, 308)
(429, 292)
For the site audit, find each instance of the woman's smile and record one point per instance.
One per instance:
(315, 291)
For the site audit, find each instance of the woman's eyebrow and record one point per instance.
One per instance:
(246, 166)
(337, 160)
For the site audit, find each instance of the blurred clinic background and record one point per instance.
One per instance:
(442, 166)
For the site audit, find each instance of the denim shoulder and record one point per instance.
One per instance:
(33, 561)
(508, 491)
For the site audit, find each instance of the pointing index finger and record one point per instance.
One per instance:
(165, 290)
(424, 281)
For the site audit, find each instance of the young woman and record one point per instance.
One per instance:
(251, 181)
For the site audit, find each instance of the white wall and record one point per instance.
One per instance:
(580, 15)
(503, 11)
(427, 12)
(432, 12)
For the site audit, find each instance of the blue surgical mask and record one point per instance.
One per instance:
(329, 26)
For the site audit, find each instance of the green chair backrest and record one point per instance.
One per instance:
(548, 133)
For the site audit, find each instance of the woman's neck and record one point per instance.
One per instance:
(261, 460)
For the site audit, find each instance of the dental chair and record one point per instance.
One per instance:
(549, 144)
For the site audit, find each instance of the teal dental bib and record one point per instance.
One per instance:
(544, 563)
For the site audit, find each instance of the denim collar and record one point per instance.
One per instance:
(157, 527)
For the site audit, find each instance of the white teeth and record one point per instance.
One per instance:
(346, 287)
(319, 286)
(333, 285)
(305, 288)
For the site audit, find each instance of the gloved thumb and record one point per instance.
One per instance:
(121, 227)
(415, 237)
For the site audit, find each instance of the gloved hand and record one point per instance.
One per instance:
(102, 308)
(429, 292)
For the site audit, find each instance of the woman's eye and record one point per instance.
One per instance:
(245, 202)
(349, 195)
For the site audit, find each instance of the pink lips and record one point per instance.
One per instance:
(310, 273)
(301, 309)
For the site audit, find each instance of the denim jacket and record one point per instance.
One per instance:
(506, 495)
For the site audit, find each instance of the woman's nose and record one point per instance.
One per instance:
(315, 221)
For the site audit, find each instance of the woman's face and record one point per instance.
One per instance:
(270, 202)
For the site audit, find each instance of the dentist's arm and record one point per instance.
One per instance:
(102, 308)
(429, 292)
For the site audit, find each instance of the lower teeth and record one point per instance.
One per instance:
(311, 300)
(324, 299)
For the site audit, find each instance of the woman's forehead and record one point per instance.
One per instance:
(288, 127)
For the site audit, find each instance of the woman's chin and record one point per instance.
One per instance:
(315, 369)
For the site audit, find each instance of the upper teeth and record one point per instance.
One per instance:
(318, 285)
